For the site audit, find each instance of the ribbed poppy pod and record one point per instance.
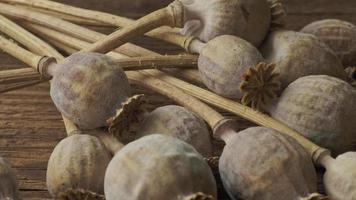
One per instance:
(159, 167)
(338, 35)
(8, 181)
(298, 54)
(205, 20)
(222, 68)
(87, 88)
(261, 164)
(178, 122)
(321, 108)
(236, 72)
(78, 162)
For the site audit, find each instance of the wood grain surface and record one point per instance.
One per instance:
(30, 125)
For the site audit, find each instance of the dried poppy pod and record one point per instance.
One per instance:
(261, 164)
(77, 162)
(133, 122)
(159, 167)
(228, 71)
(178, 122)
(88, 88)
(205, 19)
(8, 182)
(338, 35)
(299, 54)
(321, 108)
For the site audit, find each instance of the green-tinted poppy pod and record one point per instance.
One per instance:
(8, 181)
(159, 167)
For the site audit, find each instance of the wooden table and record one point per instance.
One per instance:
(30, 125)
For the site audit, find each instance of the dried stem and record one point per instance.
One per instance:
(18, 52)
(80, 32)
(33, 43)
(74, 19)
(75, 14)
(149, 62)
(245, 112)
(172, 15)
(25, 38)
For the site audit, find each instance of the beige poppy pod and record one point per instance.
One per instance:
(298, 54)
(8, 181)
(338, 187)
(77, 162)
(178, 122)
(261, 164)
(248, 19)
(339, 35)
(159, 167)
(322, 108)
(87, 88)
(223, 61)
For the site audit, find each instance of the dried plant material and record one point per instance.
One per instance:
(261, 164)
(321, 108)
(88, 88)
(124, 124)
(79, 194)
(338, 35)
(77, 162)
(149, 79)
(249, 19)
(339, 181)
(299, 54)
(147, 169)
(278, 15)
(213, 162)
(316, 196)
(178, 122)
(260, 86)
(222, 68)
(200, 196)
(351, 72)
(8, 181)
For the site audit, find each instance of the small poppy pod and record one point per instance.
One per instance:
(87, 88)
(248, 19)
(338, 35)
(159, 167)
(260, 164)
(222, 68)
(298, 54)
(178, 122)
(78, 162)
(8, 181)
(322, 108)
